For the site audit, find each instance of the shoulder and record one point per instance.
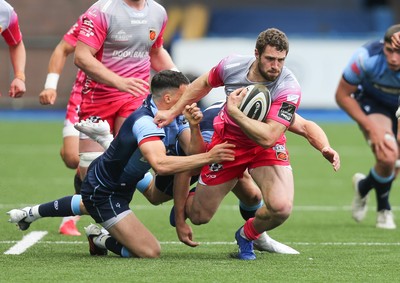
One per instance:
(6, 12)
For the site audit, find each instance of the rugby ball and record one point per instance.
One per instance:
(257, 102)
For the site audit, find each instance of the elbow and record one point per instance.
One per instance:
(77, 62)
(162, 170)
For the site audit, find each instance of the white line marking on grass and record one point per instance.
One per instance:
(218, 243)
(26, 242)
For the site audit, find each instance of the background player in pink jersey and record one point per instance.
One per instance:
(9, 29)
(119, 43)
(70, 149)
(260, 146)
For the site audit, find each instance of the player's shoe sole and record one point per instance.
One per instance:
(93, 231)
(93, 130)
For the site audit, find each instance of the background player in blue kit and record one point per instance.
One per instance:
(369, 91)
(109, 185)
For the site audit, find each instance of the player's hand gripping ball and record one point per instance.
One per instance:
(257, 102)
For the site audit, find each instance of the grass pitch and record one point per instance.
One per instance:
(333, 247)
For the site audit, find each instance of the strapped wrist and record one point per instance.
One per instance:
(51, 81)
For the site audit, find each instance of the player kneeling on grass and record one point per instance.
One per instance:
(108, 188)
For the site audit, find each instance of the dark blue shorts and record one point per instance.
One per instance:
(371, 106)
(103, 203)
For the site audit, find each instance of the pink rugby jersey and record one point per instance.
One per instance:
(231, 72)
(9, 27)
(75, 98)
(123, 37)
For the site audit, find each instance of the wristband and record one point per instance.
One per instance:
(51, 81)
(20, 75)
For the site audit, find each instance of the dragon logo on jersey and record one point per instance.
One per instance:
(152, 34)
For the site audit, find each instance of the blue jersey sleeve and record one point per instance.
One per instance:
(355, 69)
(144, 127)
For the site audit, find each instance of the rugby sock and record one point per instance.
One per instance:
(248, 212)
(382, 190)
(249, 232)
(144, 183)
(66, 206)
(77, 182)
(109, 243)
(365, 185)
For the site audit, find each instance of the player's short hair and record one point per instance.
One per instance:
(166, 80)
(272, 37)
(389, 33)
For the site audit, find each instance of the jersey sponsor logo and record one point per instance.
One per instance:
(210, 176)
(388, 90)
(72, 29)
(121, 36)
(287, 111)
(138, 22)
(86, 86)
(280, 152)
(87, 28)
(152, 34)
(129, 54)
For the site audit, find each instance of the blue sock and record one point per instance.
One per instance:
(248, 212)
(143, 184)
(382, 190)
(66, 206)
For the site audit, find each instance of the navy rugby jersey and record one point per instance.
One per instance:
(368, 69)
(122, 164)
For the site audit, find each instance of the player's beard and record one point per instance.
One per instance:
(268, 76)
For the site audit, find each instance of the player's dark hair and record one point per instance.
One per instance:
(389, 33)
(272, 37)
(167, 79)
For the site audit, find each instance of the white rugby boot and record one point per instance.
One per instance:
(22, 217)
(359, 205)
(385, 219)
(267, 244)
(92, 233)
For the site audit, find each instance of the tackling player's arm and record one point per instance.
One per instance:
(196, 90)
(153, 150)
(181, 190)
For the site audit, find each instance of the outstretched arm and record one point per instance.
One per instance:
(196, 90)
(317, 138)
